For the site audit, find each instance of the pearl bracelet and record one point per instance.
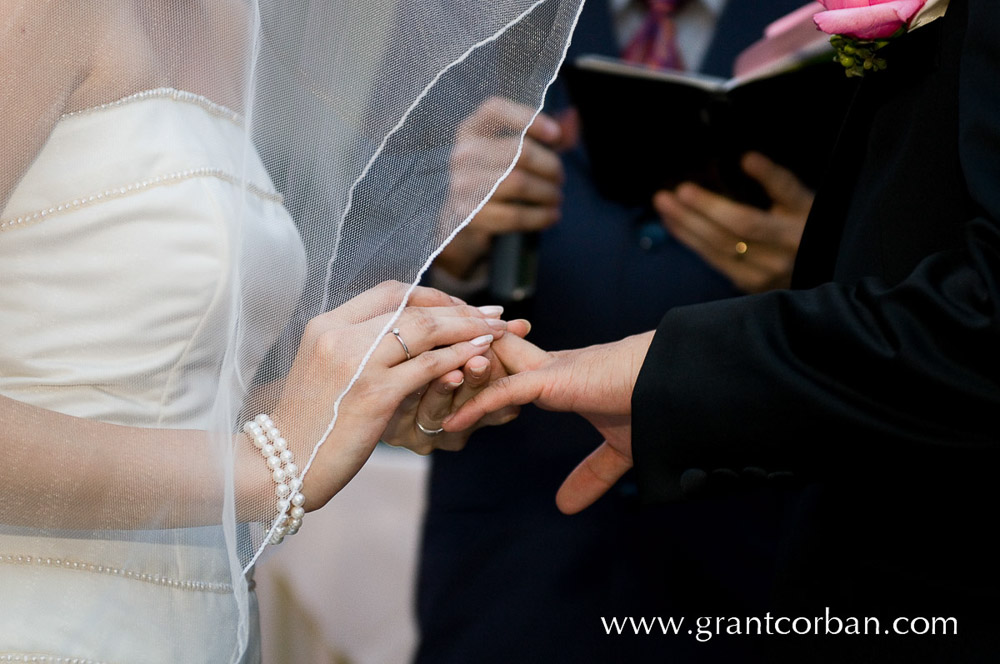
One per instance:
(284, 472)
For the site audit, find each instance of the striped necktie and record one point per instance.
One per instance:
(655, 45)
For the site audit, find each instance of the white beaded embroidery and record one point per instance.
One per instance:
(166, 93)
(80, 566)
(134, 188)
(45, 659)
(281, 463)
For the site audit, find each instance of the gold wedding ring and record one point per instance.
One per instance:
(395, 333)
(741, 249)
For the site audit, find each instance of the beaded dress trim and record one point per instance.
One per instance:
(127, 189)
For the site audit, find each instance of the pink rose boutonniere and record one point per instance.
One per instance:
(861, 28)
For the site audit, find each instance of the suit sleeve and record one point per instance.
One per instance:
(827, 381)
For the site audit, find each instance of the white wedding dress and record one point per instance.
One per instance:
(116, 256)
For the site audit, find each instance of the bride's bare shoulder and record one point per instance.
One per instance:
(45, 55)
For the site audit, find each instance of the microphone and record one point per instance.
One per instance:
(514, 266)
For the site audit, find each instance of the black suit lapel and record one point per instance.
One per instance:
(820, 244)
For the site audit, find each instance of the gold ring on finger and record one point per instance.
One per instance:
(395, 333)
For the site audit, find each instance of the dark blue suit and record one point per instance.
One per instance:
(504, 577)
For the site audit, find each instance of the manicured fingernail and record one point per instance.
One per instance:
(477, 372)
(484, 340)
(453, 385)
(526, 323)
(492, 310)
(496, 323)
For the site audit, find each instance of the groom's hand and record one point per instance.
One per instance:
(595, 382)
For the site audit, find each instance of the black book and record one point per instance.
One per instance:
(646, 130)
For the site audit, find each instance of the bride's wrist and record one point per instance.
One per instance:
(276, 482)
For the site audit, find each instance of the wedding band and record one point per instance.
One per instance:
(395, 333)
(426, 431)
(741, 249)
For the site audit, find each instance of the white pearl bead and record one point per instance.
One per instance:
(248, 427)
(282, 520)
(291, 469)
(260, 441)
(282, 491)
(297, 512)
(260, 419)
(267, 450)
(273, 462)
(278, 475)
(280, 444)
(273, 433)
(295, 523)
(283, 505)
(296, 483)
(298, 500)
(286, 455)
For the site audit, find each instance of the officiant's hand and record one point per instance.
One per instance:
(755, 248)
(595, 382)
(527, 200)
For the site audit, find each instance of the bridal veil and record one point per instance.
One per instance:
(234, 168)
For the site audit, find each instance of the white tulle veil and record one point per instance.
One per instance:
(354, 108)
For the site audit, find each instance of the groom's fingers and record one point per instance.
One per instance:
(501, 393)
(518, 355)
(591, 479)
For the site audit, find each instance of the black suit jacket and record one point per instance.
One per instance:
(877, 380)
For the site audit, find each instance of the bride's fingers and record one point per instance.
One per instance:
(409, 376)
(436, 403)
(478, 373)
(385, 298)
(591, 479)
(422, 296)
(417, 332)
(515, 390)
(466, 310)
(477, 376)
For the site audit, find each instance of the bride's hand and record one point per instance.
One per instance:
(417, 423)
(439, 337)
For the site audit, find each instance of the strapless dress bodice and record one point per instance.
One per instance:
(120, 250)
(117, 254)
